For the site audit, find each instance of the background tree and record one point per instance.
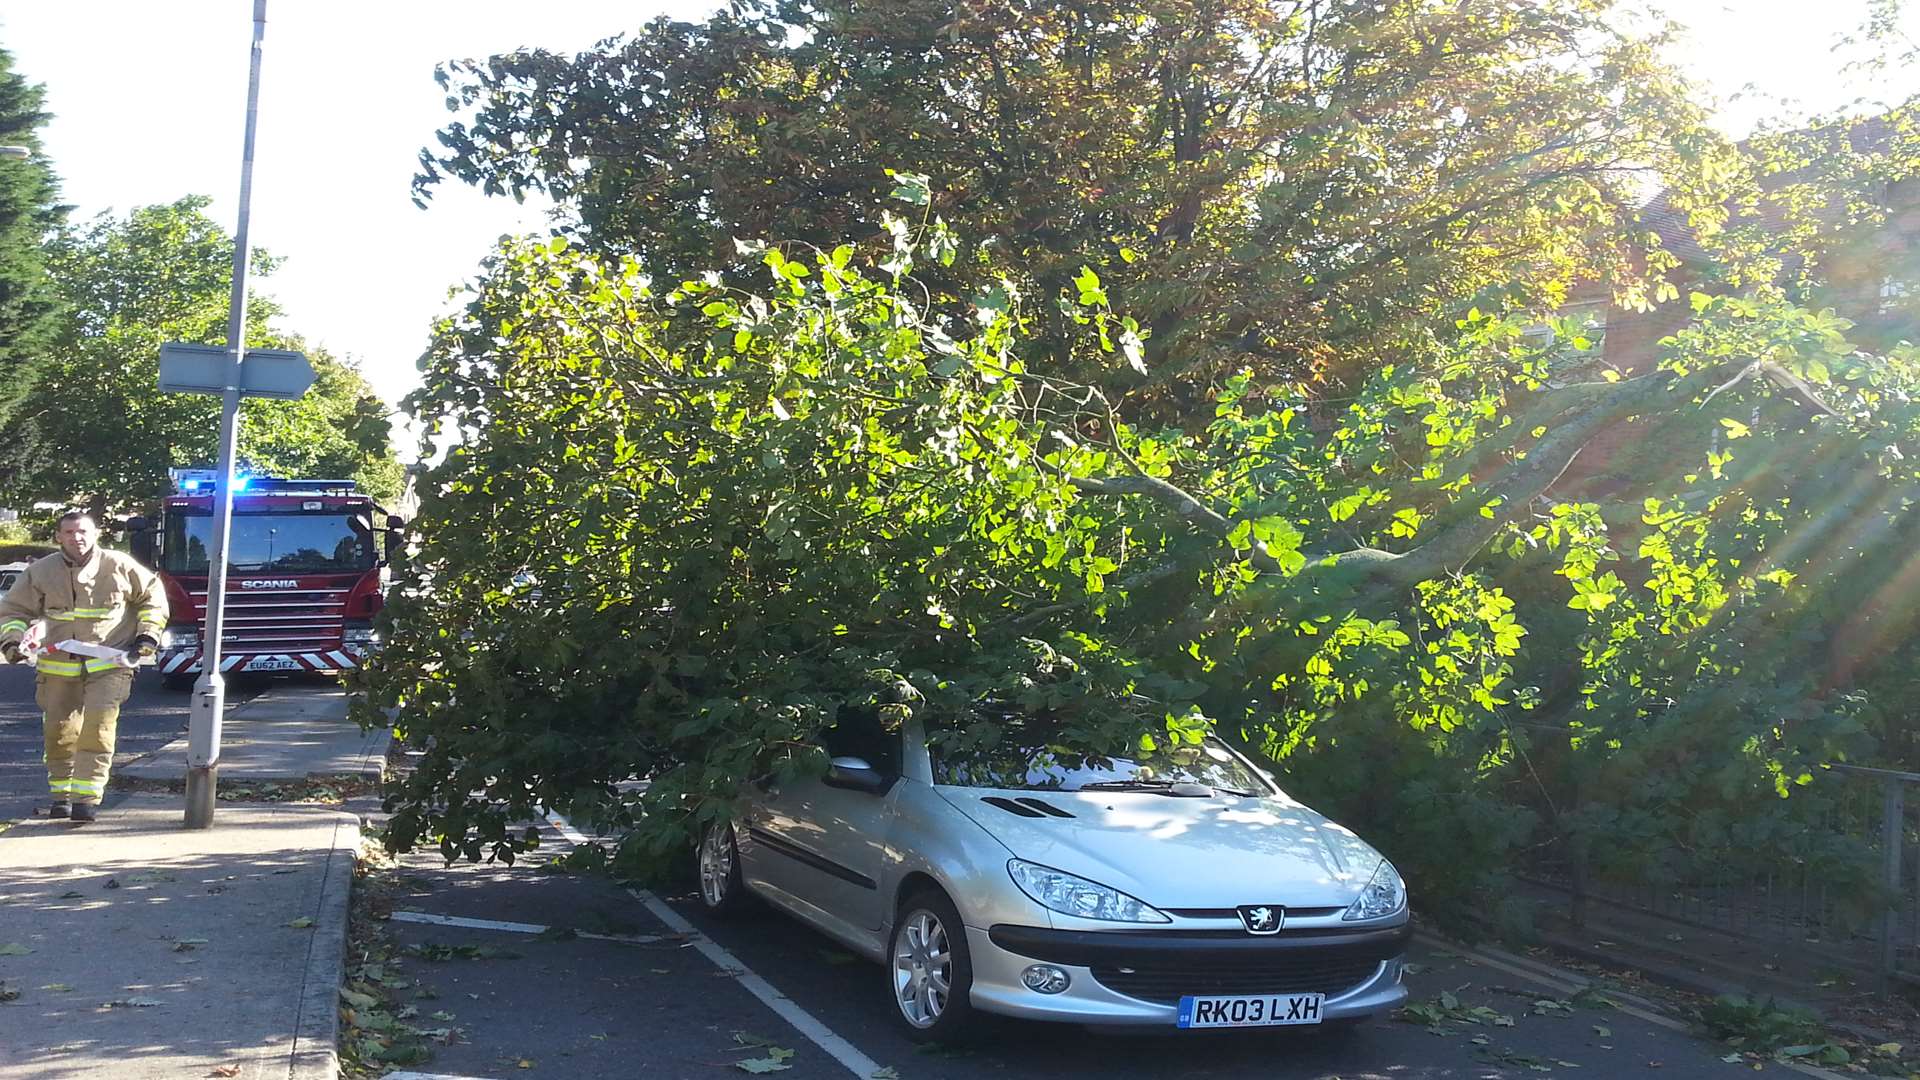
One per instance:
(94, 431)
(29, 213)
(1297, 187)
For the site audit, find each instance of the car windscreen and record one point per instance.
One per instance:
(287, 543)
(1026, 757)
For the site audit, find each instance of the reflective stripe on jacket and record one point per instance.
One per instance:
(110, 600)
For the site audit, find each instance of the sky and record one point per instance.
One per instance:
(149, 96)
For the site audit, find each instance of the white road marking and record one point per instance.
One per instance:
(427, 1076)
(430, 919)
(836, 1047)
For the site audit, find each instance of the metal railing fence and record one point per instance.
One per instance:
(1832, 872)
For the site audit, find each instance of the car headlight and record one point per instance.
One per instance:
(1067, 894)
(359, 635)
(1384, 895)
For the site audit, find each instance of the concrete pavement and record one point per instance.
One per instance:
(135, 948)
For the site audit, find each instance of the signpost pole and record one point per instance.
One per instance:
(210, 690)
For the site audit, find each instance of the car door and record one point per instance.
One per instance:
(822, 841)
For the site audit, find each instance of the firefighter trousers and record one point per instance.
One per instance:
(81, 714)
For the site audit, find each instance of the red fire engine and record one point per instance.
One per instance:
(304, 578)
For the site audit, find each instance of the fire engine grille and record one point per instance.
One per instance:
(277, 620)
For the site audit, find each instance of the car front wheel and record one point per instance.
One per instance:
(930, 971)
(718, 862)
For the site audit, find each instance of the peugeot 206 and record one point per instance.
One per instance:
(1179, 888)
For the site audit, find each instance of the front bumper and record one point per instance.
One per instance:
(326, 660)
(1136, 977)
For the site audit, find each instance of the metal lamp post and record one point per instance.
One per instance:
(210, 690)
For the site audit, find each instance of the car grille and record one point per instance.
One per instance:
(274, 621)
(1310, 972)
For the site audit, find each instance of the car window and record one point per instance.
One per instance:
(1024, 759)
(860, 735)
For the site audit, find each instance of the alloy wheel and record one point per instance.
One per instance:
(716, 866)
(922, 968)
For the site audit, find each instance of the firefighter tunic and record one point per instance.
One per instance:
(108, 600)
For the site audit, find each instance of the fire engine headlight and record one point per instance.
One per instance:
(360, 635)
(179, 637)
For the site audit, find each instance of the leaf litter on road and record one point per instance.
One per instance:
(458, 952)
(775, 1059)
(1446, 1007)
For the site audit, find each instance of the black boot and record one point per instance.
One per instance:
(83, 812)
(59, 809)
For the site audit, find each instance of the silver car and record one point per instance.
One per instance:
(1174, 888)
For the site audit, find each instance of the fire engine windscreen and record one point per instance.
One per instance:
(293, 543)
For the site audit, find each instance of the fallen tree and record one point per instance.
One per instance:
(679, 529)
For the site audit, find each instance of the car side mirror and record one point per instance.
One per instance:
(854, 774)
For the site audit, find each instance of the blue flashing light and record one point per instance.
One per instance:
(198, 482)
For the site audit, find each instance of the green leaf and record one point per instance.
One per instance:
(912, 188)
(1735, 429)
(1343, 508)
(1091, 294)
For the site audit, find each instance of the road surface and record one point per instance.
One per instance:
(150, 719)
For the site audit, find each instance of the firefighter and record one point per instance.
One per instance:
(92, 596)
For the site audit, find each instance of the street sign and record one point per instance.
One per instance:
(202, 369)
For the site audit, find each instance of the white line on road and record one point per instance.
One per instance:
(427, 1076)
(430, 919)
(838, 1048)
